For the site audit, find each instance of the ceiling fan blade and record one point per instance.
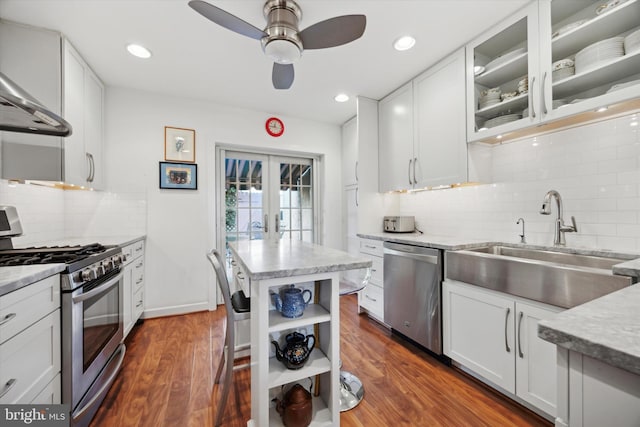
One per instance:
(226, 20)
(282, 75)
(333, 32)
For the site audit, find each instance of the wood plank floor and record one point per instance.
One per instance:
(167, 380)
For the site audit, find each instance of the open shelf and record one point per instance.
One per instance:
(321, 415)
(318, 363)
(515, 105)
(314, 313)
(514, 68)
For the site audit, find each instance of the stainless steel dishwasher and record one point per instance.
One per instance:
(412, 283)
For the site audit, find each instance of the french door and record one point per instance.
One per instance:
(266, 196)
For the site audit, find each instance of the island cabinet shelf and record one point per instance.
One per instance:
(321, 415)
(314, 313)
(317, 364)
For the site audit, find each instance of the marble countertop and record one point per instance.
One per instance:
(607, 329)
(80, 241)
(16, 277)
(263, 259)
(430, 241)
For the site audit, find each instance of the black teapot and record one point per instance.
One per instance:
(295, 354)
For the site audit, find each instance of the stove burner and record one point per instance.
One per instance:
(49, 255)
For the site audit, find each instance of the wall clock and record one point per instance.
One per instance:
(274, 126)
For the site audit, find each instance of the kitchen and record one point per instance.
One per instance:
(599, 185)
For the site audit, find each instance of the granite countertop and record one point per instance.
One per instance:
(607, 329)
(263, 259)
(16, 277)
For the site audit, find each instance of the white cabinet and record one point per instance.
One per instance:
(133, 284)
(350, 152)
(495, 336)
(30, 343)
(83, 107)
(521, 60)
(395, 126)
(595, 393)
(422, 129)
(371, 298)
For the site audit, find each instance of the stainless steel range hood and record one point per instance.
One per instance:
(20, 112)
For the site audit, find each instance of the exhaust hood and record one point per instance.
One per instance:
(20, 112)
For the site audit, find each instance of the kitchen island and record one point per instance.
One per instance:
(267, 266)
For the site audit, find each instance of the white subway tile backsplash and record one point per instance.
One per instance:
(594, 167)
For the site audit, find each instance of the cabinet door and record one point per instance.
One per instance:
(536, 359)
(396, 140)
(75, 160)
(439, 120)
(504, 90)
(350, 152)
(127, 291)
(93, 129)
(478, 332)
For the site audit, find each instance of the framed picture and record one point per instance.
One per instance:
(181, 176)
(179, 145)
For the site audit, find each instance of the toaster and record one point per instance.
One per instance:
(399, 224)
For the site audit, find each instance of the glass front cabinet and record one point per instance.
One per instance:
(551, 61)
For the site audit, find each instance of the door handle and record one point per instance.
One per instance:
(277, 224)
(520, 353)
(506, 325)
(266, 223)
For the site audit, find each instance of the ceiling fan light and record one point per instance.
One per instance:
(282, 51)
(138, 51)
(404, 43)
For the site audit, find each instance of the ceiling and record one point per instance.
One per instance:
(195, 58)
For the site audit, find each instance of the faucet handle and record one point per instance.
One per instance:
(573, 221)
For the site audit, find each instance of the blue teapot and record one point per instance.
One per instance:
(292, 303)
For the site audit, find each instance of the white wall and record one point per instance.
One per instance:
(180, 222)
(595, 168)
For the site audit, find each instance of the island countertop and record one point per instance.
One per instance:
(265, 259)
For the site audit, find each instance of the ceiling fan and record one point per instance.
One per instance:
(281, 40)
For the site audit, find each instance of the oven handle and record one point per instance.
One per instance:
(122, 349)
(93, 292)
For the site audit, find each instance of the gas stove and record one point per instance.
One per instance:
(83, 263)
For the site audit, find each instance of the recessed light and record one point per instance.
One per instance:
(341, 97)
(138, 51)
(404, 43)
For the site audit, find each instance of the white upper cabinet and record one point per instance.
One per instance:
(422, 129)
(395, 127)
(350, 152)
(440, 144)
(83, 107)
(551, 61)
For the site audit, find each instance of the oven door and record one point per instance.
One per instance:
(92, 333)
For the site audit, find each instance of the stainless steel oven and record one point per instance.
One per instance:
(92, 348)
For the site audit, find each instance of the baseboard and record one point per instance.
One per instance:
(175, 310)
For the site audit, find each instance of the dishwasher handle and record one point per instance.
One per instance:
(431, 259)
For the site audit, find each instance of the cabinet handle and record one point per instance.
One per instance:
(356, 171)
(277, 223)
(139, 281)
(373, 270)
(544, 102)
(357, 203)
(139, 264)
(372, 299)
(532, 108)
(370, 246)
(88, 155)
(415, 162)
(233, 262)
(506, 324)
(7, 318)
(8, 386)
(409, 170)
(520, 353)
(239, 275)
(139, 304)
(266, 223)
(139, 248)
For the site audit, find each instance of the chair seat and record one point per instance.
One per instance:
(348, 287)
(240, 302)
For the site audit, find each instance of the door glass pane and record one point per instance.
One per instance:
(295, 193)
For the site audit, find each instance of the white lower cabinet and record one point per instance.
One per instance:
(371, 298)
(495, 336)
(133, 284)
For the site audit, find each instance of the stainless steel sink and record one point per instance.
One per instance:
(556, 278)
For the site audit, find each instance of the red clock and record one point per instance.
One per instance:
(274, 126)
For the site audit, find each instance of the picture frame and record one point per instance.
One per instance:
(178, 176)
(179, 145)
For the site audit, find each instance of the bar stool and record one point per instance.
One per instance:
(238, 308)
(351, 388)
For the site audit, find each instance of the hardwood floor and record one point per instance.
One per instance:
(167, 380)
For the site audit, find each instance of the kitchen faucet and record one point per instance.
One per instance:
(560, 226)
(522, 238)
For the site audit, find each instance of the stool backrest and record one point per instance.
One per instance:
(216, 260)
